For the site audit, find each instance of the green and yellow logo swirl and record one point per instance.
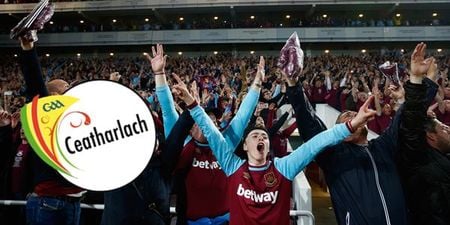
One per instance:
(40, 120)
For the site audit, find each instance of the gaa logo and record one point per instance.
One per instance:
(99, 135)
(47, 107)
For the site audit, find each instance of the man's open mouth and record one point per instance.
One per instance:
(260, 147)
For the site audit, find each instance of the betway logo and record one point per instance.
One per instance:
(258, 198)
(205, 164)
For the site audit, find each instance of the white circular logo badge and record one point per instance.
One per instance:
(105, 137)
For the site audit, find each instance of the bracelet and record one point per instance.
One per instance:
(159, 73)
(257, 85)
(349, 126)
(192, 105)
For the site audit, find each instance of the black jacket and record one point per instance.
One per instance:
(363, 181)
(425, 171)
(35, 85)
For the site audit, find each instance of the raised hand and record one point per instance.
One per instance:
(205, 96)
(260, 73)
(364, 114)
(376, 91)
(397, 93)
(183, 90)
(115, 76)
(420, 65)
(430, 110)
(158, 61)
(432, 72)
(5, 118)
(376, 81)
(194, 91)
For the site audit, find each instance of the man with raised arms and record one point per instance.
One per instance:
(259, 189)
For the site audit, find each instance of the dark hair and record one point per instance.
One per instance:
(340, 114)
(430, 124)
(252, 127)
(240, 149)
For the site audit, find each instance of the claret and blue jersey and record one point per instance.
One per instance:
(261, 195)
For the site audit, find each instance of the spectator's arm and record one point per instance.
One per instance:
(292, 164)
(410, 118)
(277, 91)
(235, 130)
(158, 62)
(243, 75)
(175, 141)
(343, 82)
(432, 108)
(377, 101)
(219, 146)
(328, 80)
(32, 72)
(275, 127)
(277, 98)
(440, 103)
(308, 122)
(412, 135)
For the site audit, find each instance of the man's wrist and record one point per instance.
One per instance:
(257, 83)
(191, 103)
(349, 126)
(162, 72)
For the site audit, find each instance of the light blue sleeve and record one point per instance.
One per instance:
(277, 91)
(292, 164)
(233, 134)
(150, 99)
(223, 124)
(221, 149)
(169, 113)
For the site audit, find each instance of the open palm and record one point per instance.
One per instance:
(261, 72)
(158, 61)
(420, 65)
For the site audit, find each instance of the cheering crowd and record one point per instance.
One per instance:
(223, 138)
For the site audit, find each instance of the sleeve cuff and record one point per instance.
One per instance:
(193, 105)
(349, 126)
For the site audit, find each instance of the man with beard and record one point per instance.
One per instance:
(361, 175)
